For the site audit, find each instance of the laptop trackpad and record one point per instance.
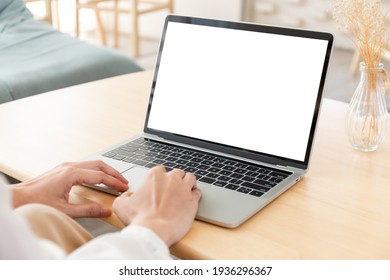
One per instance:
(136, 176)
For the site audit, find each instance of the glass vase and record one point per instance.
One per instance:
(367, 113)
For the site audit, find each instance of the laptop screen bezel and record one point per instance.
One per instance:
(252, 155)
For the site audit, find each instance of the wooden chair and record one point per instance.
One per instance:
(51, 11)
(136, 9)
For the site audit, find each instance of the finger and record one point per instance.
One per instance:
(178, 172)
(189, 180)
(101, 166)
(158, 169)
(91, 210)
(85, 176)
(127, 194)
(197, 193)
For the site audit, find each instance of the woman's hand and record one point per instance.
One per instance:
(166, 203)
(53, 187)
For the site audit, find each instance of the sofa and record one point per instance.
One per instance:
(36, 58)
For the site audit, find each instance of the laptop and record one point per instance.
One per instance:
(234, 103)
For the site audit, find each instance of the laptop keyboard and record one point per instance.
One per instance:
(209, 168)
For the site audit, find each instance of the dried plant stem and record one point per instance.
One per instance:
(366, 24)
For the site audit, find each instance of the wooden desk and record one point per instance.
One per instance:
(341, 210)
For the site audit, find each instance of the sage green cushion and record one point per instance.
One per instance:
(35, 57)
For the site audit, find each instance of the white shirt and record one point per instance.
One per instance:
(18, 242)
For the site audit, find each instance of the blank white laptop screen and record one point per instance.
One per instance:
(244, 89)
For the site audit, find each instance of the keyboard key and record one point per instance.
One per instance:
(253, 168)
(169, 164)
(232, 187)
(109, 154)
(171, 159)
(182, 161)
(225, 172)
(148, 158)
(140, 162)
(220, 184)
(203, 167)
(146, 146)
(141, 152)
(161, 156)
(207, 162)
(133, 145)
(265, 183)
(214, 170)
(264, 177)
(241, 165)
(128, 149)
(118, 157)
(244, 190)
(224, 178)
(168, 148)
(192, 164)
(264, 171)
(198, 155)
(201, 173)
(123, 153)
(255, 186)
(218, 165)
(279, 175)
(139, 140)
(256, 193)
(138, 156)
(228, 167)
(212, 175)
(128, 159)
(176, 155)
(190, 169)
(209, 157)
(275, 180)
(207, 180)
(237, 176)
(196, 159)
(248, 179)
(240, 171)
(150, 165)
(219, 160)
(159, 161)
(252, 174)
(179, 166)
(236, 181)
(185, 157)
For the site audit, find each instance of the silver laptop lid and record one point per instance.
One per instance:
(244, 89)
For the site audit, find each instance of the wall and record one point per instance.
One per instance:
(151, 25)
(307, 14)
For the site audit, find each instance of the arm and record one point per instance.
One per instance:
(16, 239)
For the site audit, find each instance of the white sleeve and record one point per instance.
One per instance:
(16, 239)
(18, 242)
(133, 242)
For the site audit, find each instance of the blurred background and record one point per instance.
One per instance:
(138, 34)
